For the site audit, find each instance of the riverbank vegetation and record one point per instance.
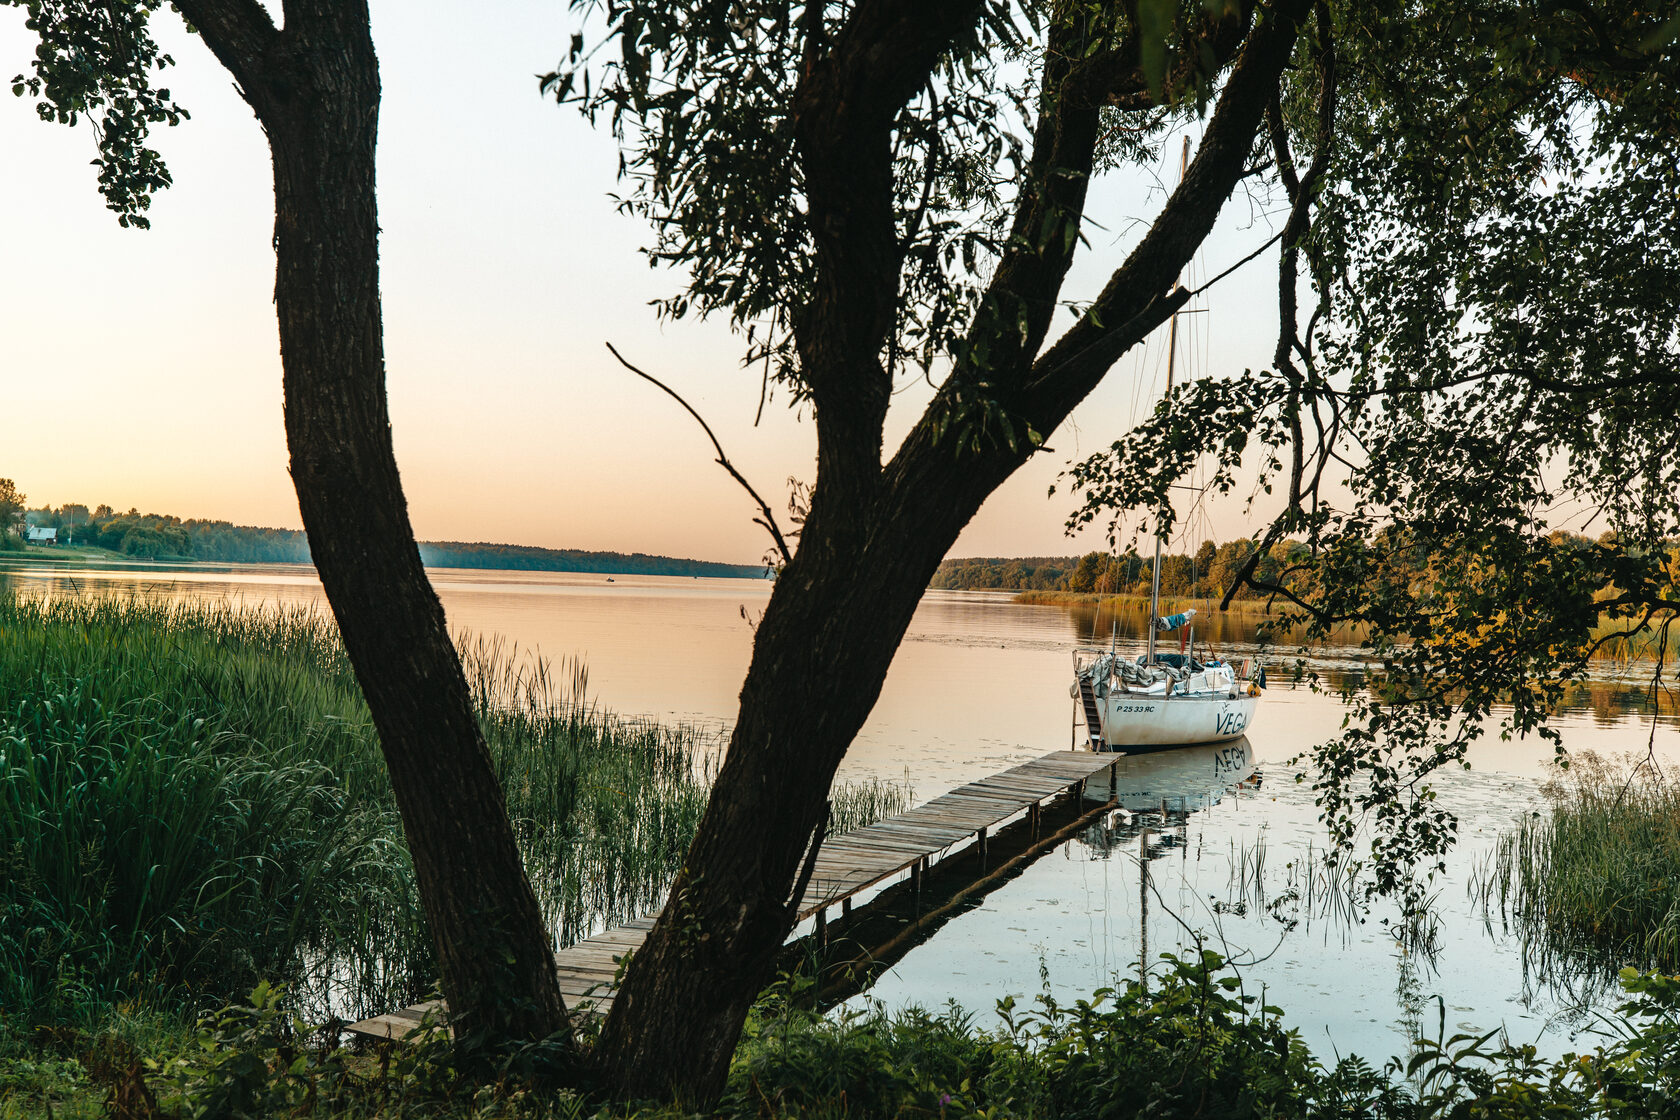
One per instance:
(1118, 580)
(1206, 573)
(1192, 1045)
(1594, 884)
(1247, 610)
(192, 800)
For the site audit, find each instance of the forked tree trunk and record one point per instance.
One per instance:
(872, 543)
(820, 656)
(315, 87)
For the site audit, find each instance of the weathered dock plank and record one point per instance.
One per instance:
(845, 865)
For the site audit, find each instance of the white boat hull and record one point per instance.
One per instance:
(1133, 721)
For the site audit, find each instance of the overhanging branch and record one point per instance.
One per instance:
(766, 518)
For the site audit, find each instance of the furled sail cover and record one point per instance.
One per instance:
(1174, 621)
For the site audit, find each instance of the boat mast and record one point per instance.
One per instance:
(1172, 352)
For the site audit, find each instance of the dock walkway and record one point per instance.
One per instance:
(845, 866)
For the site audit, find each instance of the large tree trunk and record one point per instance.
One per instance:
(315, 87)
(820, 656)
(876, 535)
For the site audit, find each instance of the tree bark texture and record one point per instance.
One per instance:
(315, 88)
(876, 532)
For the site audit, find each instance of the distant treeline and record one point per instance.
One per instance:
(457, 554)
(157, 536)
(1207, 572)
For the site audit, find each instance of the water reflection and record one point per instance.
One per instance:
(1172, 784)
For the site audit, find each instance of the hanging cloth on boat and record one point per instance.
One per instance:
(1174, 621)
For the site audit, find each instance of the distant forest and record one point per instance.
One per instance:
(1207, 572)
(457, 554)
(157, 536)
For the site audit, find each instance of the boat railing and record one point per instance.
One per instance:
(1243, 669)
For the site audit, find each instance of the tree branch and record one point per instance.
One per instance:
(1269, 242)
(768, 519)
(1116, 78)
(1077, 83)
(238, 32)
(1301, 193)
(1073, 366)
(842, 115)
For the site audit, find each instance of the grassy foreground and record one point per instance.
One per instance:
(1192, 1046)
(192, 801)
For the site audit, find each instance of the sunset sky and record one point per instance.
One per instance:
(141, 368)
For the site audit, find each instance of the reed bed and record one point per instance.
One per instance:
(853, 805)
(1594, 885)
(1638, 646)
(1314, 885)
(192, 799)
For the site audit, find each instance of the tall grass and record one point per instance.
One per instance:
(189, 799)
(853, 805)
(1641, 645)
(604, 808)
(1596, 881)
(192, 798)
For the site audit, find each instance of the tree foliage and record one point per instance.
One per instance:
(707, 98)
(11, 504)
(700, 98)
(1490, 350)
(96, 62)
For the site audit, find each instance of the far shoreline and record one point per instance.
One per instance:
(76, 557)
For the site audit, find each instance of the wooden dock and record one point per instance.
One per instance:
(846, 865)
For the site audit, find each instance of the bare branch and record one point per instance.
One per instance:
(1270, 241)
(766, 518)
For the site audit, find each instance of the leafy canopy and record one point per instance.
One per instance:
(704, 99)
(1489, 353)
(95, 62)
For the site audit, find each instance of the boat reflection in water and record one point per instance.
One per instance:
(1170, 785)
(1154, 795)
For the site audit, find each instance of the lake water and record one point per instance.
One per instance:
(980, 684)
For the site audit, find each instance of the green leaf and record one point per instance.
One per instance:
(1155, 24)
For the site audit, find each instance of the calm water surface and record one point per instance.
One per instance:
(979, 684)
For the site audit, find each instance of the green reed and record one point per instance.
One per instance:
(192, 798)
(1595, 883)
(855, 804)
(1620, 644)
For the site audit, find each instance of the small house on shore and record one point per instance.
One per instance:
(40, 534)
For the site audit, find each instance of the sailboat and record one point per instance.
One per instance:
(1164, 699)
